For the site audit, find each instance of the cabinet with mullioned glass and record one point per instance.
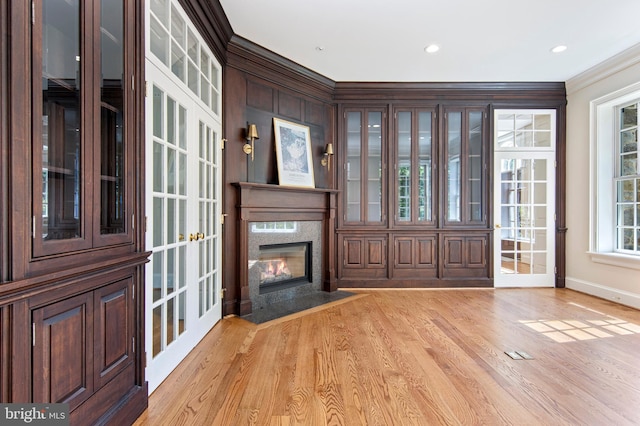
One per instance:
(75, 281)
(364, 194)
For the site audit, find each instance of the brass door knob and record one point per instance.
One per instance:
(200, 236)
(193, 237)
(498, 226)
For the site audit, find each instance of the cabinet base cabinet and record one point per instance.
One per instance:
(86, 349)
(465, 256)
(431, 259)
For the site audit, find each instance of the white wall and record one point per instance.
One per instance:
(620, 284)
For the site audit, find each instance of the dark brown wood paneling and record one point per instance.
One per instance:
(113, 330)
(5, 166)
(465, 256)
(426, 252)
(63, 352)
(5, 363)
(289, 106)
(353, 252)
(314, 113)
(259, 96)
(476, 251)
(453, 251)
(404, 252)
(375, 253)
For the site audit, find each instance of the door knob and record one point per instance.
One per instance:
(498, 226)
(200, 236)
(180, 237)
(193, 237)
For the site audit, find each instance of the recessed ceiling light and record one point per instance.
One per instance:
(560, 48)
(319, 48)
(432, 48)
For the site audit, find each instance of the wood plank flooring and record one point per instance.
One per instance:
(416, 357)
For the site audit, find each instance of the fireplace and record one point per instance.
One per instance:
(271, 215)
(285, 261)
(284, 265)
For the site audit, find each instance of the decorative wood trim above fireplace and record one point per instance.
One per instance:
(264, 203)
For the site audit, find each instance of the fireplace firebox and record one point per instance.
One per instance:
(284, 265)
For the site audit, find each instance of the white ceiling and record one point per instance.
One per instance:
(480, 40)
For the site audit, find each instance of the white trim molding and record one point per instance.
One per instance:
(617, 63)
(613, 294)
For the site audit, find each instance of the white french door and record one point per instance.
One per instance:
(524, 198)
(183, 187)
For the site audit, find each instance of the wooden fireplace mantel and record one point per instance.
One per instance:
(259, 202)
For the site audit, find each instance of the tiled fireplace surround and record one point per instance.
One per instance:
(314, 209)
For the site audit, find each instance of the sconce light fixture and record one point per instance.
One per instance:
(252, 135)
(326, 159)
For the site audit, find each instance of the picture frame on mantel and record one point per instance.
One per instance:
(293, 154)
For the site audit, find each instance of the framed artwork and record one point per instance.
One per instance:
(293, 154)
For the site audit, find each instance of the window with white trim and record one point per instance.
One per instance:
(627, 181)
(615, 179)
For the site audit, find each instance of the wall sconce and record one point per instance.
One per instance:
(252, 135)
(326, 159)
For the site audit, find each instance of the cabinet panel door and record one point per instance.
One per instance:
(414, 257)
(375, 253)
(113, 330)
(364, 257)
(353, 249)
(465, 257)
(63, 351)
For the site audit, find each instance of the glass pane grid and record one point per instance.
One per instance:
(628, 182)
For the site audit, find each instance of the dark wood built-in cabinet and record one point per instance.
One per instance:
(72, 277)
(414, 184)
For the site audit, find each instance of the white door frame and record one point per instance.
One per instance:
(192, 239)
(538, 237)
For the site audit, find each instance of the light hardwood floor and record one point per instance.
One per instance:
(416, 357)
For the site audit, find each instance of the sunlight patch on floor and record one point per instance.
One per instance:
(563, 331)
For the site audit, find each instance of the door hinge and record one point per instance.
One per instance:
(145, 88)
(33, 334)
(222, 216)
(223, 292)
(555, 270)
(222, 141)
(145, 224)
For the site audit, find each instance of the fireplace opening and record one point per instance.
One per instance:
(284, 265)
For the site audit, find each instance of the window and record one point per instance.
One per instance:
(627, 181)
(615, 177)
(274, 227)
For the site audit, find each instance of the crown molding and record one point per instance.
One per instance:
(607, 68)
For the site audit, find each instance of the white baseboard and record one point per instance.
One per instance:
(615, 295)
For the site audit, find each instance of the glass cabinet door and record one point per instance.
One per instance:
(413, 168)
(364, 185)
(80, 135)
(465, 179)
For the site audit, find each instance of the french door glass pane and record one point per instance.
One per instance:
(61, 120)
